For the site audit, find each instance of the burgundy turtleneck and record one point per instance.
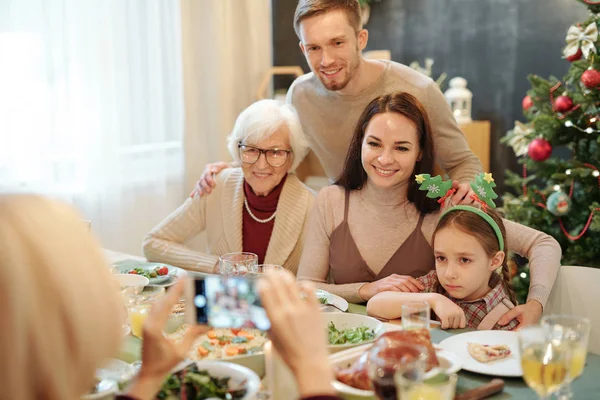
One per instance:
(255, 235)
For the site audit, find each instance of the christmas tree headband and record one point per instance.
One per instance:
(484, 195)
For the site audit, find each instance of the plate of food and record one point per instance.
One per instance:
(101, 390)
(493, 353)
(211, 379)
(240, 346)
(350, 330)
(329, 299)
(350, 366)
(158, 274)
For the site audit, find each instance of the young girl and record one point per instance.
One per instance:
(464, 289)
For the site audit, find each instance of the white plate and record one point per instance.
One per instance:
(334, 299)
(450, 363)
(164, 281)
(104, 389)
(506, 367)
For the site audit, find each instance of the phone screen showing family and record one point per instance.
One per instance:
(229, 302)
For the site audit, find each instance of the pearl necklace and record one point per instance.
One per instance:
(262, 221)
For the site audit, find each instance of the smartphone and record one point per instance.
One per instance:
(225, 302)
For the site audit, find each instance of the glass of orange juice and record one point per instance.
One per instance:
(572, 331)
(139, 306)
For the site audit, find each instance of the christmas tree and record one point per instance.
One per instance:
(561, 196)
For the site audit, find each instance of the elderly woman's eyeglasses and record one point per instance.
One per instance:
(275, 157)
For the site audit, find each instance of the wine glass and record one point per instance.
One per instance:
(439, 387)
(388, 357)
(574, 331)
(544, 361)
(239, 263)
(139, 306)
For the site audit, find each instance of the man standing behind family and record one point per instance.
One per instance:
(330, 99)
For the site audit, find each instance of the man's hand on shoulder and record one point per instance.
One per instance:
(207, 181)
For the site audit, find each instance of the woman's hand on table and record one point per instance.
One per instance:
(160, 354)
(298, 332)
(392, 283)
(527, 314)
(450, 314)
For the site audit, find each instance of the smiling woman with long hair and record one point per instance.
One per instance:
(371, 232)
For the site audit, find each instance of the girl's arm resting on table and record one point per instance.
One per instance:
(388, 305)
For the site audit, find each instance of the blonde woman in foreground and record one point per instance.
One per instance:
(61, 312)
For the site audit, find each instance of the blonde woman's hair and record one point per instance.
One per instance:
(60, 311)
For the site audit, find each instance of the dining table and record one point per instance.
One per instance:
(585, 387)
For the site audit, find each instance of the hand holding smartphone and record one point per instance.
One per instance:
(225, 302)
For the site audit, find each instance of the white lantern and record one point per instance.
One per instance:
(459, 98)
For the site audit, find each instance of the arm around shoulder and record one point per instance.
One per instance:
(544, 255)
(451, 147)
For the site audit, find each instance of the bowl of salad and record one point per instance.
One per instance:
(211, 379)
(155, 272)
(349, 330)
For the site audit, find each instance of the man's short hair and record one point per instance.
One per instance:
(311, 8)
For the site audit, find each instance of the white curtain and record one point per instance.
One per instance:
(92, 109)
(117, 105)
(227, 49)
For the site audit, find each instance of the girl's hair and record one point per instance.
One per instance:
(354, 176)
(61, 311)
(476, 226)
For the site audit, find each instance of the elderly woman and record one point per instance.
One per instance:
(260, 207)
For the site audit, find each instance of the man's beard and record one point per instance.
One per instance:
(335, 86)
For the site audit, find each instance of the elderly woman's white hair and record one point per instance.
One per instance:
(260, 120)
(61, 312)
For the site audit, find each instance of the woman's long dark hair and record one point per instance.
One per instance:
(354, 176)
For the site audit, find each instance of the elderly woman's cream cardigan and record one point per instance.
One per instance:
(220, 215)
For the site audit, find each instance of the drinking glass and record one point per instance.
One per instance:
(544, 361)
(573, 331)
(386, 358)
(139, 305)
(416, 315)
(440, 387)
(238, 263)
(262, 268)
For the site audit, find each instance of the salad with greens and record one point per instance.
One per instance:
(199, 385)
(349, 335)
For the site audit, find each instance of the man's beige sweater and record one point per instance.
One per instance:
(329, 119)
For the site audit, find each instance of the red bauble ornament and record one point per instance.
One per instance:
(562, 104)
(539, 149)
(527, 103)
(576, 56)
(591, 78)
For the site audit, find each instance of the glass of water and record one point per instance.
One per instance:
(416, 315)
(240, 263)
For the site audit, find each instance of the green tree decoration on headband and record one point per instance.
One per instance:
(483, 187)
(435, 187)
